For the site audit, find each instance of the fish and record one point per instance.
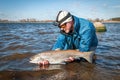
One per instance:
(59, 56)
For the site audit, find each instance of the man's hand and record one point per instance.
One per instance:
(70, 59)
(43, 63)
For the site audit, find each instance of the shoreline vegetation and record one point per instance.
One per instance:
(32, 20)
(26, 21)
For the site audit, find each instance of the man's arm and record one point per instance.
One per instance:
(60, 43)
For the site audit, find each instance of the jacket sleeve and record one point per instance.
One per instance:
(60, 43)
(86, 39)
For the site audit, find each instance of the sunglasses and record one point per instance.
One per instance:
(63, 26)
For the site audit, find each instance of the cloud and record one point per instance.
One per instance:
(116, 6)
(109, 6)
(3, 15)
(105, 5)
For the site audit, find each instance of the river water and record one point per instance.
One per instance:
(20, 41)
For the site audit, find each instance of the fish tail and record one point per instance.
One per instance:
(89, 56)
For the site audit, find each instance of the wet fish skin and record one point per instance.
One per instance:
(59, 56)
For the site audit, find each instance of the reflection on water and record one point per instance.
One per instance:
(20, 41)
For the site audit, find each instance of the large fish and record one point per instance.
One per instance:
(59, 56)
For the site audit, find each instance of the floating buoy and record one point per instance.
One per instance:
(100, 27)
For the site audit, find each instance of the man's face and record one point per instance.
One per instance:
(67, 27)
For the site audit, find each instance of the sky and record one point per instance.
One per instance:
(48, 9)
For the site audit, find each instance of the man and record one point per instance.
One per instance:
(75, 33)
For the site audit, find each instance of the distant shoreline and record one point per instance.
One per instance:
(52, 22)
(25, 22)
(110, 22)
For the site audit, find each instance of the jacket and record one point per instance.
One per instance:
(83, 37)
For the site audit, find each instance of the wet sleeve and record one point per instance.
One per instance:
(86, 40)
(60, 43)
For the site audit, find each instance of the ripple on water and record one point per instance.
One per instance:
(20, 41)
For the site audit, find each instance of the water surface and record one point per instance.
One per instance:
(20, 41)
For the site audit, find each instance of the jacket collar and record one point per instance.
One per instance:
(76, 24)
